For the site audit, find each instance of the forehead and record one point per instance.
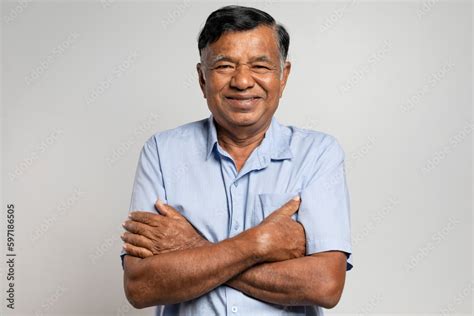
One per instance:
(260, 41)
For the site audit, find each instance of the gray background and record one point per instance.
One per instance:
(84, 84)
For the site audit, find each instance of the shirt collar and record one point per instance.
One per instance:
(275, 145)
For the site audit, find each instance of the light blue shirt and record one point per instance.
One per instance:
(188, 169)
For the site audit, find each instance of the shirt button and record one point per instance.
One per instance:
(236, 225)
(234, 309)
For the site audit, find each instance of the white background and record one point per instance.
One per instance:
(84, 84)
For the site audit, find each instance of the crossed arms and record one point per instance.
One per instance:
(169, 262)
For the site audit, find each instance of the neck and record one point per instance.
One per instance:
(241, 142)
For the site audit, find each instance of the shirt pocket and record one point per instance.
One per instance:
(267, 203)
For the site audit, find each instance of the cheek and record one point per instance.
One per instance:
(216, 84)
(270, 85)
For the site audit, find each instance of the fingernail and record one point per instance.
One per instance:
(123, 224)
(130, 215)
(296, 198)
(124, 246)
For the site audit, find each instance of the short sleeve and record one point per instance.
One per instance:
(148, 184)
(324, 210)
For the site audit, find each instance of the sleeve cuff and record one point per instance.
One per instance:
(122, 255)
(321, 245)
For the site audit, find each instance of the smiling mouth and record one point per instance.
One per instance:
(243, 103)
(242, 99)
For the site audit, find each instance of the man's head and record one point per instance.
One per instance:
(243, 69)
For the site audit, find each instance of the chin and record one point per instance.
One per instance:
(244, 119)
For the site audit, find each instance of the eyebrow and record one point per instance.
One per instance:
(261, 58)
(221, 58)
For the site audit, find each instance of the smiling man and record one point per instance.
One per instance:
(237, 214)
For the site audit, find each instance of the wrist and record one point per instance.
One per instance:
(199, 242)
(253, 242)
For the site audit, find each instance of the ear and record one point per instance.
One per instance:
(202, 79)
(284, 77)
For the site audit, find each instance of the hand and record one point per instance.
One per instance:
(151, 234)
(280, 237)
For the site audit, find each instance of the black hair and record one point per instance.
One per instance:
(235, 18)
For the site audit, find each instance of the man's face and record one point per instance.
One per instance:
(241, 78)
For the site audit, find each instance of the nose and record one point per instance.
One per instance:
(242, 78)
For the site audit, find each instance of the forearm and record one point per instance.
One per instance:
(301, 281)
(183, 275)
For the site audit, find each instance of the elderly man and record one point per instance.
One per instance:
(252, 217)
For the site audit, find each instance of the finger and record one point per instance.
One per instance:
(137, 240)
(144, 217)
(137, 228)
(166, 210)
(137, 251)
(290, 207)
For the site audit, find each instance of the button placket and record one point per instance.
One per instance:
(237, 207)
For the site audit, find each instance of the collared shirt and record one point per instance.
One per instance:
(188, 169)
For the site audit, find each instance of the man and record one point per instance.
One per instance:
(252, 217)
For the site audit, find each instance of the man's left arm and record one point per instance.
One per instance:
(318, 278)
(311, 280)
